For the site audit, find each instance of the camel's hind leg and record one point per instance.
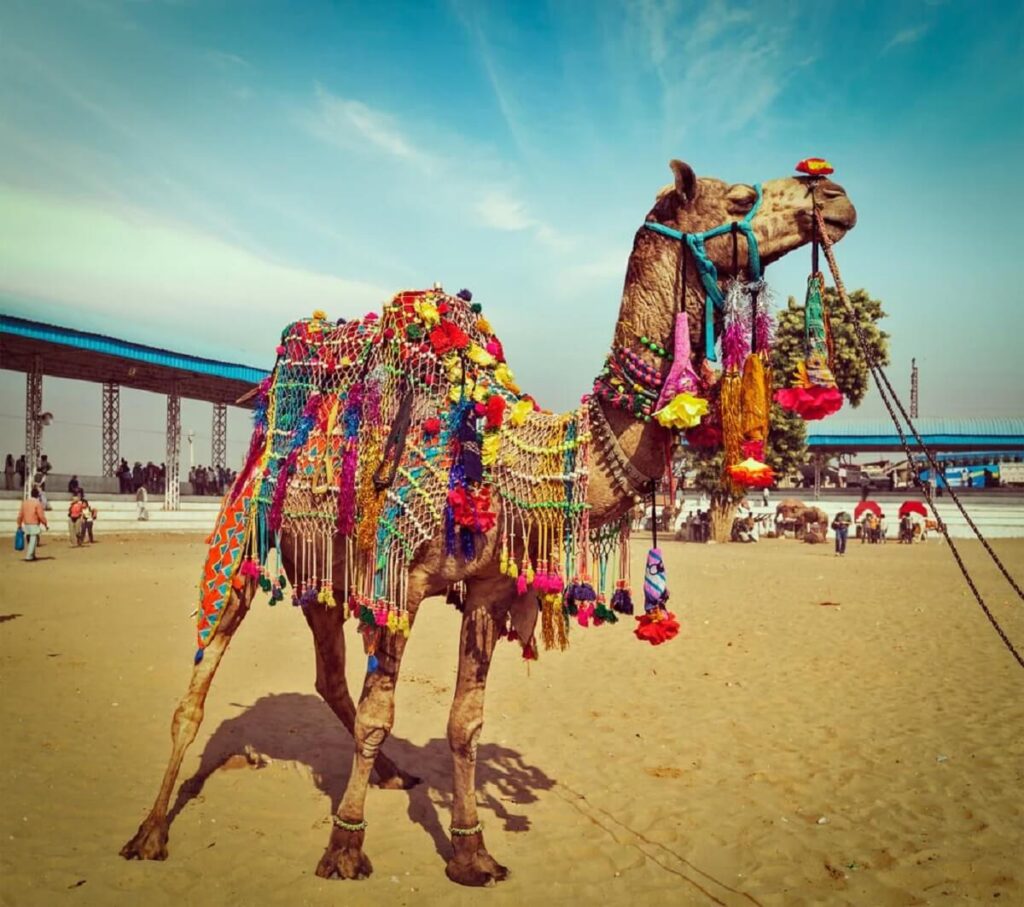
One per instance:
(327, 625)
(150, 841)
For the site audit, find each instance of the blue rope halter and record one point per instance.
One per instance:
(706, 267)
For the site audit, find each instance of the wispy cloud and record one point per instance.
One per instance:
(226, 59)
(725, 63)
(354, 126)
(906, 36)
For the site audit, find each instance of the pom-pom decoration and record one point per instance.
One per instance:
(682, 412)
(751, 473)
(815, 166)
(656, 627)
(813, 393)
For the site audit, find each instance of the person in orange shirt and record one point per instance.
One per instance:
(32, 518)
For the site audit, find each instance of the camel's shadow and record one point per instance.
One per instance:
(300, 728)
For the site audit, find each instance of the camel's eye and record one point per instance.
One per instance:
(740, 199)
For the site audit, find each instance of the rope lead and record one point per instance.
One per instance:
(883, 385)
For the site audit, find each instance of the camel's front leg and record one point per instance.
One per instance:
(375, 716)
(150, 841)
(471, 864)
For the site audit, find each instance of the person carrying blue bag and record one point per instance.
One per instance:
(31, 521)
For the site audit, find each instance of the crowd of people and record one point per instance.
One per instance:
(215, 480)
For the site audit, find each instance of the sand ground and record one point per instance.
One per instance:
(781, 751)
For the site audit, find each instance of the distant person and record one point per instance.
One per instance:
(865, 489)
(141, 499)
(965, 477)
(19, 468)
(841, 476)
(764, 497)
(43, 471)
(75, 522)
(841, 527)
(32, 520)
(89, 515)
(73, 486)
(9, 473)
(882, 528)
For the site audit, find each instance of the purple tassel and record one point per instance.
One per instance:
(622, 601)
(585, 593)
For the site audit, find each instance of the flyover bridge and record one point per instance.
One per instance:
(40, 349)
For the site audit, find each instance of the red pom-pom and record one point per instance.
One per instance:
(656, 627)
(495, 410)
(815, 166)
(389, 333)
(707, 436)
(442, 308)
(810, 403)
(431, 426)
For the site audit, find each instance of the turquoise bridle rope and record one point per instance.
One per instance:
(706, 267)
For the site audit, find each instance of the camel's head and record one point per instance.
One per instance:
(783, 222)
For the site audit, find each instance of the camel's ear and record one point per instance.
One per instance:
(687, 184)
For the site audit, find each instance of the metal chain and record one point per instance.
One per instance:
(882, 382)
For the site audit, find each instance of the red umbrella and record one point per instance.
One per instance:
(913, 507)
(866, 505)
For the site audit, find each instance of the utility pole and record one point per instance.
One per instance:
(913, 388)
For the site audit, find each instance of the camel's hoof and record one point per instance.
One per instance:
(472, 865)
(344, 857)
(149, 843)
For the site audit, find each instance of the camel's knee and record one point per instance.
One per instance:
(464, 736)
(186, 720)
(369, 740)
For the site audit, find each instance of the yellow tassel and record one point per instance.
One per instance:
(732, 417)
(754, 396)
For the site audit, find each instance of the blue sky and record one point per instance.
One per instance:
(197, 174)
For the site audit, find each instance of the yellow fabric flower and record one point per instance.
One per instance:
(319, 315)
(455, 391)
(483, 325)
(480, 356)
(428, 312)
(683, 411)
(520, 411)
(503, 375)
(489, 449)
(481, 392)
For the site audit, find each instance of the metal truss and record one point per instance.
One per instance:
(111, 426)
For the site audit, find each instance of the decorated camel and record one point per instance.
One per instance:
(395, 458)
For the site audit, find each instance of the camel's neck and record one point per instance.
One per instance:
(649, 303)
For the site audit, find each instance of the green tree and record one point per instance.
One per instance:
(787, 439)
